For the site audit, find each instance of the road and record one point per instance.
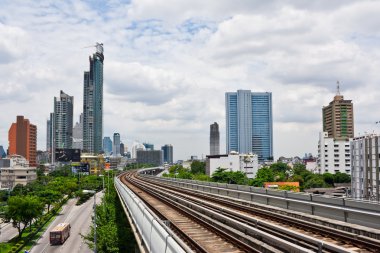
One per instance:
(7, 232)
(80, 219)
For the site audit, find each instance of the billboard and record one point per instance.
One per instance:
(67, 155)
(82, 168)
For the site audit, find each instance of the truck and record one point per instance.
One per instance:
(60, 233)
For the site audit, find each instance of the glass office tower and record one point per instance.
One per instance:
(249, 125)
(93, 103)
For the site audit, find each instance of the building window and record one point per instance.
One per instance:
(336, 150)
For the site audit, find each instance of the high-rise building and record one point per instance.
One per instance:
(122, 149)
(338, 118)
(148, 146)
(48, 135)
(214, 139)
(3, 154)
(167, 150)
(152, 157)
(63, 121)
(22, 138)
(249, 124)
(334, 142)
(116, 144)
(78, 133)
(107, 145)
(365, 153)
(93, 103)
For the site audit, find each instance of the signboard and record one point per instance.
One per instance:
(67, 155)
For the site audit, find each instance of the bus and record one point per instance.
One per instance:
(60, 233)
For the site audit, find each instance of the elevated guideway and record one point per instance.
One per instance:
(186, 216)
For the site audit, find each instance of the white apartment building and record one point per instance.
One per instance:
(365, 167)
(15, 170)
(333, 155)
(247, 163)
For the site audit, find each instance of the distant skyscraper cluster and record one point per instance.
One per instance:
(249, 124)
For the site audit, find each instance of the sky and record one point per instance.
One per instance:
(168, 64)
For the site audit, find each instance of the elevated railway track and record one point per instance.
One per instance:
(207, 223)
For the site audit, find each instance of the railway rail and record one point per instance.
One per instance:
(213, 224)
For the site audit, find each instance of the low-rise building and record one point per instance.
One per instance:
(334, 155)
(365, 175)
(246, 163)
(15, 170)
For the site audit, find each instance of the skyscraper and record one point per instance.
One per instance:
(148, 146)
(338, 118)
(167, 153)
(48, 135)
(78, 133)
(214, 139)
(249, 125)
(116, 144)
(122, 151)
(93, 103)
(107, 145)
(63, 121)
(22, 138)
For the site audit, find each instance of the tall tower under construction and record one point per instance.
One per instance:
(338, 117)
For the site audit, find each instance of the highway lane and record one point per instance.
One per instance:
(7, 232)
(80, 219)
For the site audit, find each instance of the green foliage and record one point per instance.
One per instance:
(201, 177)
(198, 167)
(49, 197)
(342, 178)
(263, 175)
(22, 210)
(279, 167)
(328, 178)
(230, 177)
(112, 229)
(288, 188)
(315, 181)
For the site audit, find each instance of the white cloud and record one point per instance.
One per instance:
(169, 63)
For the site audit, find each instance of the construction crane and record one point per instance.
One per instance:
(98, 46)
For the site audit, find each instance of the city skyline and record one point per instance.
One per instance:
(163, 61)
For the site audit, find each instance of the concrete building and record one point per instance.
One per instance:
(116, 145)
(214, 139)
(338, 118)
(15, 170)
(167, 150)
(246, 163)
(333, 155)
(78, 133)
(107, 145)
(365, 175)
(154, 157)
(136, 147)
(93, 103)
(22, 138)
(334, 142)
(63, 121)
(249, 124)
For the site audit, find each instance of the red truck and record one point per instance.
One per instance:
(60, 233)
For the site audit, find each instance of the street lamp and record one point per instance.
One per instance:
(94, 192)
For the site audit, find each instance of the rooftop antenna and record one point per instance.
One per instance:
(337, 88)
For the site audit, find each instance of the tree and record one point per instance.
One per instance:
(230, 177)
(329, 178)
(22, 210)
(279, 167)
(342, 178)
(315, 181)
(49, 197)
(264, 174)
(198, 167)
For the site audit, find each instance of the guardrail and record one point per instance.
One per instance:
(341, 209)
(156, 236)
